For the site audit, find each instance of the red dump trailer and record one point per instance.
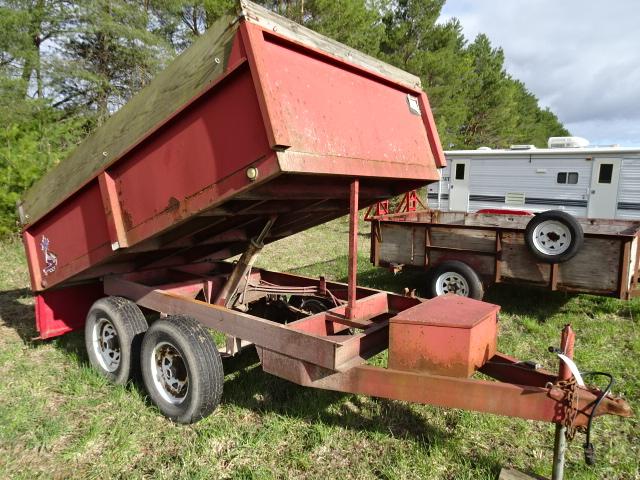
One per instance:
(260, 130)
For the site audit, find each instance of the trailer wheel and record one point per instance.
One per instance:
(181, 369)
(113, 335)
(453, 276)
(554, 236)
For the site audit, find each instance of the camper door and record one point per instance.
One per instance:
(603, 196)
(459, 186)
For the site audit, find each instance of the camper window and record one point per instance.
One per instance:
(606, 172)
(460, 171)
(568, 177)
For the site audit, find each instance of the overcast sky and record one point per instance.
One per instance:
(580, 58)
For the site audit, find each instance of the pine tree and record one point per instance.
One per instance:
(415, 42)
(180, 21)
(533, 125)
(491, 96)
(24, 26)
(355, 23)
(111, 57)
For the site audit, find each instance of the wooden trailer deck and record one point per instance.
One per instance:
(494, 246)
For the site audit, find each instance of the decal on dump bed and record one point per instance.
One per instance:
(414, 105)
(50, 258)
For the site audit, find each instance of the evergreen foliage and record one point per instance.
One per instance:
(66, 65)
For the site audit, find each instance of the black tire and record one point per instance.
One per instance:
(193, 359)
(113, 335)
(446, 278)
(554, 236)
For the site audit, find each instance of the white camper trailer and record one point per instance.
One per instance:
(592, 182)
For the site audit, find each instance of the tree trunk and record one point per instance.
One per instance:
(32, 60)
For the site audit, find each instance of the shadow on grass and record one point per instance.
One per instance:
(369, 276)
(18, 315)
(383, 279)
(249, 387)
(533, 302)
(514, 299)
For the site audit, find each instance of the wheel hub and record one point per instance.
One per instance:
(171, 376)
(552, 237)
(106, 345)
(452, 282)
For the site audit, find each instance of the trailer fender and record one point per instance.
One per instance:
(65, 310)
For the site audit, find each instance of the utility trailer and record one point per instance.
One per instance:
(260, 130)
(465, 252)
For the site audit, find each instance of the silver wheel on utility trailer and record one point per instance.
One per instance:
(454, 276)
(554, 236)
(181, 369)
(113, 335)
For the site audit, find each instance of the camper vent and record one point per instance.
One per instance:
(567, 142)
(522, 147)
(514, 198)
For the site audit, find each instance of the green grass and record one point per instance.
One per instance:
(60, 419)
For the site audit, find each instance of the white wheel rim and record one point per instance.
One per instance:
(106, 345)
(552, 237)
(452, 282)
(170, 373)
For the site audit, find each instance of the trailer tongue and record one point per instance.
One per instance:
(260, 130)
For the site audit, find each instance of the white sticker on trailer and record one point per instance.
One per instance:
(50, 258)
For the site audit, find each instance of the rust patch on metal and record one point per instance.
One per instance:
(173, 205)
(126, 218)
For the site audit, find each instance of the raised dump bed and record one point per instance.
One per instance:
(258, 118)
(258, 131)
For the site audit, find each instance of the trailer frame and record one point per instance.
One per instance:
(310, 352)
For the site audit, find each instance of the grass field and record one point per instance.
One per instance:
(59, 419)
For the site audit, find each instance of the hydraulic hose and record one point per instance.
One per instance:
(589, 449)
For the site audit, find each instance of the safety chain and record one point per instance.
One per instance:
(571, 406)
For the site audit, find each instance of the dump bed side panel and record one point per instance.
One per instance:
(71, 238)
(330, 110)
(163, 180)
(327, 114)
(220, 135)
(172, 88)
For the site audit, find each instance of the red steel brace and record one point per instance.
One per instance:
(353, 248)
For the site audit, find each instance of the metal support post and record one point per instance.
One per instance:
(353, 248)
